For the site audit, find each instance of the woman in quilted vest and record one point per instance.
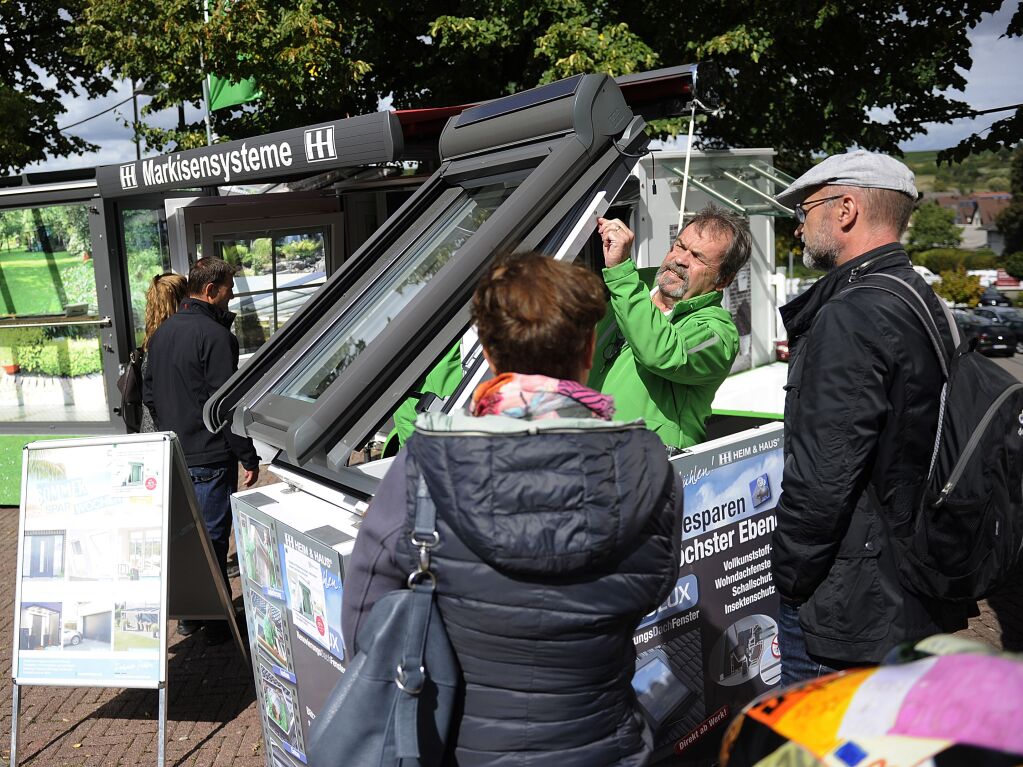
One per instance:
(558, 532)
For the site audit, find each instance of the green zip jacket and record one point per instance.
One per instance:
(670, 366)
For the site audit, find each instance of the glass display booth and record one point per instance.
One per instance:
(78, 248)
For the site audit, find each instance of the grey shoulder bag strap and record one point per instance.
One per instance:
(395, 702)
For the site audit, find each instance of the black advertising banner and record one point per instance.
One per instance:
(292, 584)
(363, 140)
(713, 645)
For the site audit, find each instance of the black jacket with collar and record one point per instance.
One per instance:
(861, 408)
(189, 357)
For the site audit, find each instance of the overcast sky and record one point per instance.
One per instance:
(993, 81)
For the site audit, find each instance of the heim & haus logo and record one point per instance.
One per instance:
(319, 144)
(129, 177)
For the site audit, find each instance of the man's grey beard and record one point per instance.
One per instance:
(822, 255)
(679, 293)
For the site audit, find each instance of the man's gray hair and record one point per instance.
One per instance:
(729, 224)
(884, 208)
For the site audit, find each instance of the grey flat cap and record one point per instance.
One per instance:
(859, 168)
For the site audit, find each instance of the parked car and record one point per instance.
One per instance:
(1007, 315)
(992, 297)
(71, 637)
(993, 338)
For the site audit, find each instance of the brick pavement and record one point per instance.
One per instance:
(212, 719)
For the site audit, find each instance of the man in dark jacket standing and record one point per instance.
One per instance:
(861, 412)
(190, 356)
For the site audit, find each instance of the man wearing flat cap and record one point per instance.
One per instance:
(861, 412)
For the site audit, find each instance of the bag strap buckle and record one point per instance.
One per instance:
(407, 685)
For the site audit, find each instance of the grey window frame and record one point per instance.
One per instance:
(318, 437)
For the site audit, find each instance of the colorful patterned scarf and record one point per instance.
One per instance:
(535, 397)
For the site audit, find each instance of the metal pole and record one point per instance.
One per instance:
(749, 187)
(161, 727)
(685, 172)
(135, 123)
(14, 724)
(206, 80)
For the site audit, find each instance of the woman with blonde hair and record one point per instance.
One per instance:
(166, 291)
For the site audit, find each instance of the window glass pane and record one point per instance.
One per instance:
(148, 252)
(254, 322)
(253, 255)
(301, 258)
(277, 272)
(51, 371)
(46, 261)
(290, 301)
(338, 349)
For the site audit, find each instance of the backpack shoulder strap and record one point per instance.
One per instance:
(901, 289)
(907, 294)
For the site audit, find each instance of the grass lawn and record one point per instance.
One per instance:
(134, 640)
(30, 284)
(11, 451)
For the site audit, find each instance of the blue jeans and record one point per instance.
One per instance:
(796, 663)
(213, 485)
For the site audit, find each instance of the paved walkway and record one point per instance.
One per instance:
(211, 720)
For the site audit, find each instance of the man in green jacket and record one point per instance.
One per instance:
(667, 344)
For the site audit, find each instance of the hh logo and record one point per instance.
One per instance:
(128, 178)
(319, 144)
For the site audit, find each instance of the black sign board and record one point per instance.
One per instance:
(363, 140)
(713, 645)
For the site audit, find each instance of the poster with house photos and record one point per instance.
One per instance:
(292, 590)
(713, 645)
(91, 577)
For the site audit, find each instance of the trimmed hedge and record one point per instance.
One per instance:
(36, 353)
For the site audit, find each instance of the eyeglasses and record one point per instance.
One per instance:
(802, 208)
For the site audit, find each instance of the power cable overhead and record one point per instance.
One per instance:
(92, 117)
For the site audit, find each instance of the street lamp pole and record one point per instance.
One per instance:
(135, 119)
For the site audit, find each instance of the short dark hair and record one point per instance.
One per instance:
(731, 225)
(535, 315)
(885, 208)
(209, 271)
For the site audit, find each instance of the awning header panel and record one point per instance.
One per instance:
(363, 140)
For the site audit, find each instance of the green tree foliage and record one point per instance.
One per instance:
(1013, 264)
(1010, 220)
(799, 76)
(807, 76)
(38, 72)
(308, 58)
(941, 260)
(932, 227)
(959, 287)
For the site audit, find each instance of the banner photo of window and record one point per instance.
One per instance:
(293, 587)
(91, 574)
(713, 645)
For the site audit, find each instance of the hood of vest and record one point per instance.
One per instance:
(540, 498)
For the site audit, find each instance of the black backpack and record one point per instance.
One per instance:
(967, 533)
(130, 386)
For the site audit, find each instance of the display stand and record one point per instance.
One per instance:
(292, 549)
(712, 647)
(111, 544)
